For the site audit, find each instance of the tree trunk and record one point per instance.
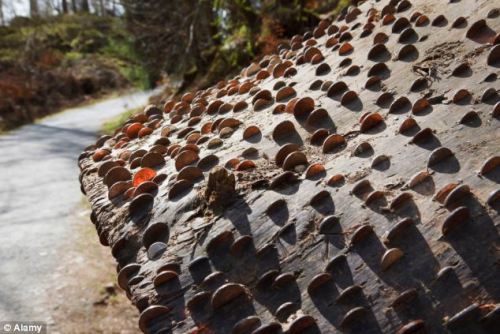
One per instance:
(73, 6)
(333, 259)
(102, 8)
(85, 6)
(2, 19)
(65, 6)
(34, 8)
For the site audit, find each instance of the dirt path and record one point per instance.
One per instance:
(41, 211)
(83, 296)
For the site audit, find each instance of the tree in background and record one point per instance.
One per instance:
(84, 5)
(45, 8)
(173, 36)
(34, 8)
(102, 8)
(64, 5)
(201, 40)
(209, 39)
(2, 18)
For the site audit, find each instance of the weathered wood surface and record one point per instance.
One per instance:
(361, 191)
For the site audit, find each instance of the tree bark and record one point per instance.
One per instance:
(34, 8)
(102, 8)
(85, 6)
(2, 19)
(65, 6)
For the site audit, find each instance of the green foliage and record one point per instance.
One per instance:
(72, 56)
(122, 50)
(137, 75)
(238, 46)
(89, 41)
(48, 63)
(11, 43)
(76, 38)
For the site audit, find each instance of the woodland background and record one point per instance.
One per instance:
(55, 53)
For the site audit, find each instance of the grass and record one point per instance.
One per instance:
(109, 127)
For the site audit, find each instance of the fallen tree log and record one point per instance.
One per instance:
(348, 184)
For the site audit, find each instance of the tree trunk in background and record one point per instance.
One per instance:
(65, 6)
(85, 6)
(2, 19)
(94, 5)
(48, 8)
(73, 6)
(102, 7)
(206, 39)
(34, 8)
(181, 31)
